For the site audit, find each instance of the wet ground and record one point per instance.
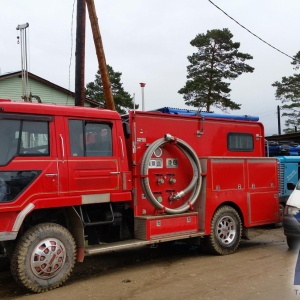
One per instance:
(262, 268)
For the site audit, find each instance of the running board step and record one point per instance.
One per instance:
(103, 248)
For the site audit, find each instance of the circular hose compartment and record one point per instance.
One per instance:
(193, 187)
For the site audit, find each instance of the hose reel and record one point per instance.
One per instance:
(194, 186)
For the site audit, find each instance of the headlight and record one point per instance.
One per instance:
(291, 210)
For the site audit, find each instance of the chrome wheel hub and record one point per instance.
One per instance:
(226, 230)
(48, 258)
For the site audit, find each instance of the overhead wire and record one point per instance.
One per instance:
(253, 33)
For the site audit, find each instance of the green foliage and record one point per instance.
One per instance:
(288, 92)
(123, 100)
(217, 59)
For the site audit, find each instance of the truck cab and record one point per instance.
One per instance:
(54, 157)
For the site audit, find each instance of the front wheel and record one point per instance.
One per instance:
(293, 243)
(44, 257)
(225, 231)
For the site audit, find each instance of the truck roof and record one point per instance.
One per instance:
(8, 106)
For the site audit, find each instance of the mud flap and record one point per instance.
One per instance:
(245, 234)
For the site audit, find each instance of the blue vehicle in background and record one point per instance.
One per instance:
(288, 173)
(288, 155)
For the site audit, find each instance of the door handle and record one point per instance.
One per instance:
(51, 175)
(114, 173)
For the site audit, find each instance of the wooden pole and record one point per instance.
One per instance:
(110, 104)
(80, 53)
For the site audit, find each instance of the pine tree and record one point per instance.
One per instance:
(216, 61)
(123, 100)
(288, 92)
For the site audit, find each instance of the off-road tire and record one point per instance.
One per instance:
(44, 257)
(225, 231)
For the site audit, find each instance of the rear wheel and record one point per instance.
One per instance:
(44, 257)
(225, 231)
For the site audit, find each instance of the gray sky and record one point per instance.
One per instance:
(149, 41)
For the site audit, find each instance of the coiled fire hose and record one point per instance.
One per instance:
(194, 185)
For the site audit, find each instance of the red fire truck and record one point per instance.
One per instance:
(78, 181)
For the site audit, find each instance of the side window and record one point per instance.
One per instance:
(13, 183)
(76, 137)
(23, 138)
(34, 138)
(98, 139)
(90, 138)
(240, 142)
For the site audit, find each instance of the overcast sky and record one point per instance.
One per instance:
(149, 41)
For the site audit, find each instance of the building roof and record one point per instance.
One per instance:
(46, 82)
(295, 136)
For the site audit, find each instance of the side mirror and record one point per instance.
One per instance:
(291, 186)
(126, 130)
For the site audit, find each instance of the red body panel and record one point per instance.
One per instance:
(159, 227)
(256, 197)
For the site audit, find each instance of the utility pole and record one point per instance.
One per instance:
(22, 40)
(278, 119)
(110, 104)
(80, 53)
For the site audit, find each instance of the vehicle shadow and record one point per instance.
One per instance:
(101, 265)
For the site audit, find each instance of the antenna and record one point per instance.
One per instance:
(22, 40)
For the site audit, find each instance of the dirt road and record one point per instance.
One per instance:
(262, 268)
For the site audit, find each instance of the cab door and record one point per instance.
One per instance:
(92, 161)
(29, 167)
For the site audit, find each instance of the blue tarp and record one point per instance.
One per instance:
(187, 112)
